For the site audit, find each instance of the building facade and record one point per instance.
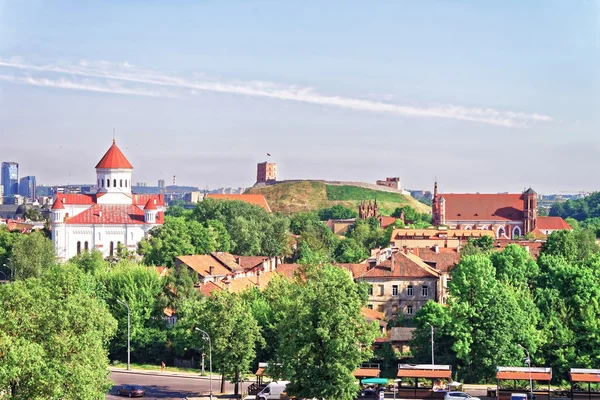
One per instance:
(27, 187)
(266, 172)
(10, 178)
(110, 218)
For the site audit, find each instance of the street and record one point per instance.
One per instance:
(166, 387)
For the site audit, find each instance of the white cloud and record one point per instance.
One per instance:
(125, 72)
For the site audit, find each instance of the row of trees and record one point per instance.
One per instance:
(583, 213)
(500, 299)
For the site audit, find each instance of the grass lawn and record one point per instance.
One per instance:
(152, 367)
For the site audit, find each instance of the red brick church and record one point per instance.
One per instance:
(508, 215)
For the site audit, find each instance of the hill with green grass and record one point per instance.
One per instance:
(293, 197)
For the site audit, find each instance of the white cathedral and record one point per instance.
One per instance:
(111, 216)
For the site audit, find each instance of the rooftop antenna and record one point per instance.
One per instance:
(114, 136)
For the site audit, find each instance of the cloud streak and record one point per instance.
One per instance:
(111, 74)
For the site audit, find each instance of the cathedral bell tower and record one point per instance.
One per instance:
(529, 210)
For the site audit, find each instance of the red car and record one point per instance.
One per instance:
(131, 391)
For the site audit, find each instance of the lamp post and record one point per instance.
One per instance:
(122, 302)
(432, 355)
(206, 336)
(528, 361)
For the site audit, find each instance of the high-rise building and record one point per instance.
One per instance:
(10, 178)
(27, 187)
(161, 183)
(266, 172)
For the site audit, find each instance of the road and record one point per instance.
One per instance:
(166, 387)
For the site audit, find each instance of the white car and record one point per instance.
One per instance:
(459, 396)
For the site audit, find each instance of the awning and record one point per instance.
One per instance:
(374, 381)
(366, 373)
(524, 376)
(424, 373)
(585, 377)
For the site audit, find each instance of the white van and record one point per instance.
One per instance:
(274, 390)
(518, 396)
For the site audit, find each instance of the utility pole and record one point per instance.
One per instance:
(207, 336)
(432, 354)
(528, 362)
(122, 302)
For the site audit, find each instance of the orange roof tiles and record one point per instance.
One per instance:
(406, 265)
(201, 263)
(483, 207)
(114, 159)
(76, 198)
(287, 270)
(208, 287)
(142, 199)
(228, 260)
(249, 262)
(366, 372)
(58, 205)
(579, 377)
(256, 199)
(445, 258)
(523, 376)
(551, 223)
(371, 314)
(424, 373)
(112, 214)
(150, 204)
(386, 221)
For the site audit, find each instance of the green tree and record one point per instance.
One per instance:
(50, 348)
(202, 238)
(338, 211)
(33, 214)
(31, 255)
(322, 335)
(561, 243)
(90, 262)
(7, 240)
(515, 266)
(167, 242)
(349, 251)
(221, 234)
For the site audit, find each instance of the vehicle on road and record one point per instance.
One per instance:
(368, 394)
(274, 390)
(519, 396)
(459, 396)
(131, 391)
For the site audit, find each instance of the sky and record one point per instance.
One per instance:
(485, 96)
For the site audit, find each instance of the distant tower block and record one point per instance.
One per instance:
(174, 181)
(266, 172)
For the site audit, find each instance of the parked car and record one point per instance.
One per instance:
(274, 390)
(459, 396)
(131, 391)
(368, 394)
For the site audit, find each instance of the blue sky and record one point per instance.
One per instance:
(487, 96)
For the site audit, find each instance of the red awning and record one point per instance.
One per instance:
(524, 376)
(366, 373)
(585, 377)
(424, 373)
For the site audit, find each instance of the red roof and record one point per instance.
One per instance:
(208, 287)
(78, 198)
(371, 314)
(256, 199)
(386, 221)
(366, 373)
(424, 373)
(150, 204)
(405, 266)
(576, 377)
(524, 376)
(551, 223)
(114, 159)
(483, 207)
(142, 199)
(444, 258)
(112, 214)
(58, 205)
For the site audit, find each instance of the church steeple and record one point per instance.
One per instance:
(113, 172)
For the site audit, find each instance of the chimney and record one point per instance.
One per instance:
(436, 248)
(237, 260)
(100, 213)
(211, 270)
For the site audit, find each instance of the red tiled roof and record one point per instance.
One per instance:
(445, 258)
(287, 270)
(150, 204)
(209, 287)
(76, 198)
(201, 263)
(371, 314)
(58, 205)
(424, 373)
(386, 221)
(366, 373)
(356, 270)
(142, 199)
(113, 159)
(249, 262)
(551, 223)
(523, 376)
(405, 266)
(256, 199)
(483, 207)
(112, 214)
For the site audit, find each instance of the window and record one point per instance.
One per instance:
(380, 308)
(394, 309)
(114, 183)
(370, 306)
(120, 182)
(108, 183)
(425, 291)
(370, 288)
(86, 246)
(99, 236)
(516, 232)
(394, 290)
(409, 310)
(112, 249)
(125, 182)
(132, 236)
(409, 290)
(381, 291)
(78, 247)
(98, 182)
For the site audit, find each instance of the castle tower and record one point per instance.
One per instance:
(266, 172)
(529, 210)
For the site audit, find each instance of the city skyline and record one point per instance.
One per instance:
(487, 97)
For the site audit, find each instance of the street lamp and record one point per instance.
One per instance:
(122, 302)
(432, 356)
(206, 336)
(528, 361)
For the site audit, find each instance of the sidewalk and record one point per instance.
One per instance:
(191, 375)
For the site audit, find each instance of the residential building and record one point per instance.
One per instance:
(193, 197)
(441, 237)
(27, 188)
(10, 178)
(508, 215)
(113, 216)
(256, 199)
(266, 172)
(213, 267)
(547, 225)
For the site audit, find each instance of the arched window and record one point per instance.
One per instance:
(125, 182)
(78, 247)
(112, 249)
(102, 182)
(467, 228)
(85, 246)
(108, 183)
(121, 183)
(114, 183)
(516, 232)
(501, 232)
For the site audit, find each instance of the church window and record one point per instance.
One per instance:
(112, 249)
(78, 247)
(114, 183)
(516, 232)
(108, 183)
(86, 246)
(125, 182)
(121, 183)
(500, 232)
